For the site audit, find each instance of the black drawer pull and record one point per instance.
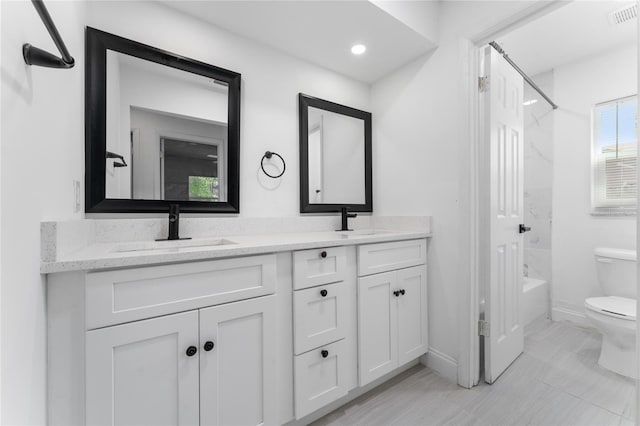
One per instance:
(208, 345)
(192, 350)
(402, 292)
(323, 293)
(324, 353)
(323, 254)
(396, 293)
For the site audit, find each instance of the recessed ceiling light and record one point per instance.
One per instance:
(358, 49)
(529, 102)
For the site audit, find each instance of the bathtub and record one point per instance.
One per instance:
(535, 299)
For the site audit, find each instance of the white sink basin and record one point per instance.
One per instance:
(363, 232)
(170, 246)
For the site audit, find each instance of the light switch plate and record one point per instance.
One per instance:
(76, 196)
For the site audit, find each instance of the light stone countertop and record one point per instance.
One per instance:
(107, 255)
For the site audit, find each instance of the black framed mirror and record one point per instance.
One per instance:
(335, 157)
(160, 129)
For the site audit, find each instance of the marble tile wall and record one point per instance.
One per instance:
(538, 178)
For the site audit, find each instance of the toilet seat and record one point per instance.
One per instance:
(613, 306)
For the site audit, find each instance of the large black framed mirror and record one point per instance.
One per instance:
(335, 157)
(160, 129)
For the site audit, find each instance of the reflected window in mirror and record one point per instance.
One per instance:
(335, 150)
(174, 120)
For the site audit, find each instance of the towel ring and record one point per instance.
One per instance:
(268, 155)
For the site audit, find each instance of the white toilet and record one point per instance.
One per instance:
(614, 315)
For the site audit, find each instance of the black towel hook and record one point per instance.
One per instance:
(35, 56)
(268, 155)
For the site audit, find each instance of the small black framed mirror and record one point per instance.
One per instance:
(160, 129)
(335, 157)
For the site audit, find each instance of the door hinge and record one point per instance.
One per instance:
(483, 328)
(483, 84)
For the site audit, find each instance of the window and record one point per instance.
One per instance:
(614, 157)
(204, 188)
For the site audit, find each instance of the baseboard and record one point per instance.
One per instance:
(442, 364)
(571, 315)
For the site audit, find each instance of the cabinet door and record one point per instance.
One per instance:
(237, 375)
(140, 374)
(412, 313)
(377, 326)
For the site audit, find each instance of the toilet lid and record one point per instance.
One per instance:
(620, 307)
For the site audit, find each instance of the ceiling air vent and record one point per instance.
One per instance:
(625, 14)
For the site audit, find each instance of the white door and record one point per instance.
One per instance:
(503, 292)
(237, 363)
(140, 373)
(377, 326)
(412, 313)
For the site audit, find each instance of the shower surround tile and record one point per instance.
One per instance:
(538, 179)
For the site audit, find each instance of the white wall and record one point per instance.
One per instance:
(270, 84)
(41, 154)
(576, 233)
(421, 16)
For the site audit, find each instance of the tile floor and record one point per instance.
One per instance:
(556, 381)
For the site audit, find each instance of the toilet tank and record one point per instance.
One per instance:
(616, 269)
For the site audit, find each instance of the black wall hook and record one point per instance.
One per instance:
(117, 163)
(268, 155)
(35, 56)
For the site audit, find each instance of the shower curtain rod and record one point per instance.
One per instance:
(35, 56)
(522, 73)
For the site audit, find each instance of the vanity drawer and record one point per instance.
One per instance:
(318, 266)
(320, 316)
(114, 297)
(319, 377)
(383, 257)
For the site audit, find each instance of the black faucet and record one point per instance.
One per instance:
(345, 219)
(174, 224)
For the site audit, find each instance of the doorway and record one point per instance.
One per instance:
(562, 182)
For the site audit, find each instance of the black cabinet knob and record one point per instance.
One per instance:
(323, 293)
(402, 292)
(323, 254)
(396, 293)
(191, 350)
(324, 353)
(208, 345)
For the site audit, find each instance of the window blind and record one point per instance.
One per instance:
(615, 155)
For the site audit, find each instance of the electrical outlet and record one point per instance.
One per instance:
(76, 196)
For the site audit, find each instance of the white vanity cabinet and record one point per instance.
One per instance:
(262, 339)
(213, 366)
(392, 307)
(179, 344)
(323, 327)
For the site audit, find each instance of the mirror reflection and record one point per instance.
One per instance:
(166, 132)
(336, 158)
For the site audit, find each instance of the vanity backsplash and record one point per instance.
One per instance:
(60, 239)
